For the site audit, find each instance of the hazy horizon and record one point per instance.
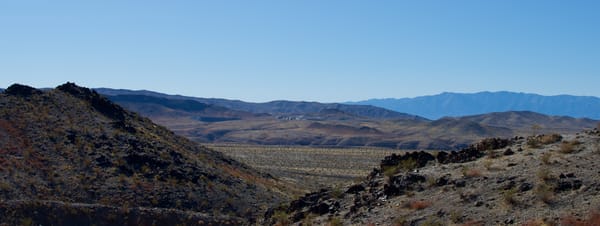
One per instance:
(332, 51)
(345, 101)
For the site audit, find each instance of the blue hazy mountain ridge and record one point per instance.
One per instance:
(464, 104)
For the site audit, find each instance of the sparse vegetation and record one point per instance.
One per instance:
(537, 141)
(546, 157)
(545, 193)
(535, 129)
(432, 221)
(471, 172)
(418, 204)
(456, 216)
(335, 221)
(544, 174)
(337, 192)
(509, 196)
(550, 138)
(568, 147)
(400, 221)
(408, 164)
(493, 154)
(315, 167)
(533, 143)
(281, 218)
(108, 165)
(488, 164)
(390, 171)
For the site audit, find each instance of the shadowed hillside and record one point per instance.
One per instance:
(70, 157)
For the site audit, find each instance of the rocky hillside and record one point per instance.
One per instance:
(69, 156)
(539, 180)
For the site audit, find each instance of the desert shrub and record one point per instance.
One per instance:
(405, 165)
(308, 220)
(432, 221)
(533, 142)
(544, 174)
(334, 221)
(456, 216)
(493, 154)
(390, 171)
(5, 186)
(431, 181)
(568, 147)
(408, 164)
(509, 196)
(400, 221)
(545, 193)
(418, 204)
(281, 218)
(337, 192)
(535, 129)
(539, 140)
(488, 164)
(471, 172)
(546, 158)
(26, 221)
(550, 138)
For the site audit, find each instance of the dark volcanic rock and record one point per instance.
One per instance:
(567, 182)
(398, 184)
(509, 152)
(491, 144)
(355, 189)
(319, 203)
(525, 187)
(472, 152)
(99, 102)
(420, 157)
(21, 90)
(443, 180)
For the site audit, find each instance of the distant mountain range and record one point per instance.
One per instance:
(313, 123)
(273, 107)
(461, 104)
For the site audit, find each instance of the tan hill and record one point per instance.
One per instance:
(539, 180)
(523, 121)
(336, 126)
(69, 156)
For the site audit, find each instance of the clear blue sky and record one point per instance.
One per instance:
(304, 50)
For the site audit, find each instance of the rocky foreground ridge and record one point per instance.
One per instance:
(69, 156)
(539, 180)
